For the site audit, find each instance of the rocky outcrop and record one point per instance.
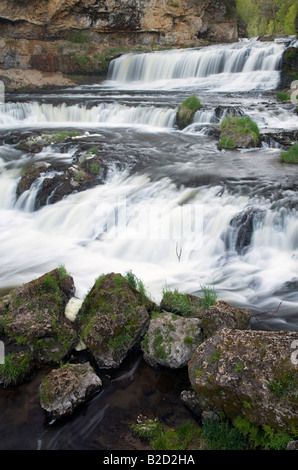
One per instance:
(113, 318)
(54, 181)
(64, 389)
(289, 66)
(247, 374)
(222, 315)
(69, 36)
(32, 319)
(171, 340)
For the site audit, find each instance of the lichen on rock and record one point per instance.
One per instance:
(248, 374)
(113, 318)
(67, 387)
(171, 340)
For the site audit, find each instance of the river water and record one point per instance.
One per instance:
(173, 209)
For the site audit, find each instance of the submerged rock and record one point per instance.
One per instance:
(113, 318)
(247, 374)
(64, 389)
(32, 318)
(171, 340)
(52, 181)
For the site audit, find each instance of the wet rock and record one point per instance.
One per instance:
(113, 318)
(248, 374)
(171, 340)
(64, 389)
(293, 445)
(222, 315)
(289, 66)
(241, 229)
(53, 181)
(32, 318)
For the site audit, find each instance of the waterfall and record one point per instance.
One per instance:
(257, 63)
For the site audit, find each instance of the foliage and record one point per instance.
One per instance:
(15, 368)
(187, 110)
(164, 438)
(291, 155)
(268, 16)
(241, 125)
(209, 297)
(137, 284)
(220, 435)
(262, 437)
(179, 302)
(282, 96)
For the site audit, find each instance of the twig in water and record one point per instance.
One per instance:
(180, 252)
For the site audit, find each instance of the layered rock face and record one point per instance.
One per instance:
(41, 35)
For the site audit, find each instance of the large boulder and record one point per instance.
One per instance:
(171, 340)
(222, 315)
(64, 389)
(32, 318)
(247, 374)
(113, 318)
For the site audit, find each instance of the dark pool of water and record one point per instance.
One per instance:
(104, 422)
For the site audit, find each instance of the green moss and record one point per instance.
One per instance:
(227, 142)
(241, 125)
(281, 96)
(291, 155)
(187, 110)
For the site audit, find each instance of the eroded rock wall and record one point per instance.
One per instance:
(49, 35)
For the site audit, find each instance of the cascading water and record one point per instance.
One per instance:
(179, 211)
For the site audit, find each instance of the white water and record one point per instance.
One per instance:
(241, 66)
(167, 234)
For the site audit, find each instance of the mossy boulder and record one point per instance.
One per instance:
(187, 110)
(238, 132)
(247, 374)
(179, 303)
(171, 340)
(290, 155)
(32, 318)
(113, 318)
(222, 315)
(64, 389)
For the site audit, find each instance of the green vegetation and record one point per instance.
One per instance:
(187, 305)
(282, 96)
(268, 16)
(137, 284)
(233, 127)
(218, 434)
(164, 438)
(177, 302)
(15, 368)
(209, 297)
(291, 155)
(187, 110)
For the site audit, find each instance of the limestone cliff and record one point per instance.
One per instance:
(71, 36)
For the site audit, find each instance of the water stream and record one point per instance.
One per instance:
(173, 189)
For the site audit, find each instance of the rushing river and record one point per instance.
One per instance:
(173, 212)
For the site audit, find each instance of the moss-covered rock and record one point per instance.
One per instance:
(171, 340)
(32, 318)
(238, 132)
(222, 315)
(64, 389)
(247, 374)
(113, 318)
(187, 110)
